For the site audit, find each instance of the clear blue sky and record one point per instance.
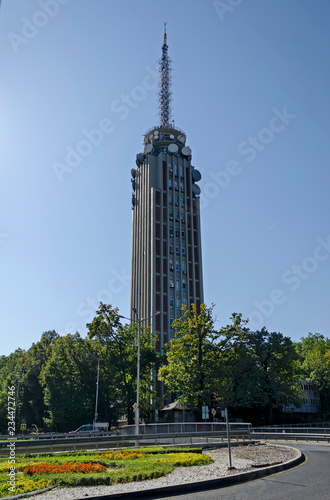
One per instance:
(251, 91)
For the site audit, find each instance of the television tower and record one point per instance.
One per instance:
(166, 229)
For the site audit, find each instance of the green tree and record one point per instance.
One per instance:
(233, 367)
(314, 352)
(314, 362)
(191, 358)
(33, 405)
(10, 376)
(68, 379)
(118, 345)
(271, 357)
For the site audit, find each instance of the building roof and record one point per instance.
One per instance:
(177, 405)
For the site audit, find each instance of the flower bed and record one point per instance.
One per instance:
(93, 468)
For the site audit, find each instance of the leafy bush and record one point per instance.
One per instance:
(24, 486)
(183, 459)
(120, 455)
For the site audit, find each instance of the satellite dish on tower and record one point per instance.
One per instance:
(196, 189)
(186, 151)
(196, 175)
(139, 159)
(148, 149)
(173, 148)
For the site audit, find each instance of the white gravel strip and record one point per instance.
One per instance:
(180, 475)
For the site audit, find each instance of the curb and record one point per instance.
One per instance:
(29, 493)
(180, 489)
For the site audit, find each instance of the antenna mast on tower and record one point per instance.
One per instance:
(165, 83)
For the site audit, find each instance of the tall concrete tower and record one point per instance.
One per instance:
(166, 240)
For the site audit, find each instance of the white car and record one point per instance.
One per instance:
(87, 429)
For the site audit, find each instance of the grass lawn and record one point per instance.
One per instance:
(82, 468)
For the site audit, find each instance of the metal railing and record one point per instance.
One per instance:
(104, 442)
(291, 436)
(186, 427)
(289, 430)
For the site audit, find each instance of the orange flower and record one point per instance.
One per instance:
(71, 467)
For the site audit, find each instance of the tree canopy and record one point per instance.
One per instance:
(253, 373)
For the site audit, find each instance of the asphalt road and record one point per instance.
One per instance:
(310, 480)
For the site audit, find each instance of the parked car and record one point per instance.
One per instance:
(87, 429)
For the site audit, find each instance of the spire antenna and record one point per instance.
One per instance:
(164, 85)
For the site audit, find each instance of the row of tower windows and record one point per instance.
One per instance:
(177, 284)
(177, 217)
(177, 250)
(179, 302)
(177, 232)
(176, 185)
(176, 170)
(177, 200)
(177, 266)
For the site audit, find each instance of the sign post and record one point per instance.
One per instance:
(205, 412)
(228, 438)
(213, 411)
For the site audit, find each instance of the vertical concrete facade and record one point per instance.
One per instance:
(166, 237)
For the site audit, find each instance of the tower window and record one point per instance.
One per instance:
(177, 265)
(171, 232)
(178, 303)
(170, 199)
(184, 285)
(177, 250)
(171, 301)
(183, 251)
(177, 285)
(171, 248)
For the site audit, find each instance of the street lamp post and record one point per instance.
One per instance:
(137, 411)
(97, 392)
(137, 404)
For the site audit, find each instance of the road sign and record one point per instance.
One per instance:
(213, 411)
(135, 406)
(205, 412)
(23, 427)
